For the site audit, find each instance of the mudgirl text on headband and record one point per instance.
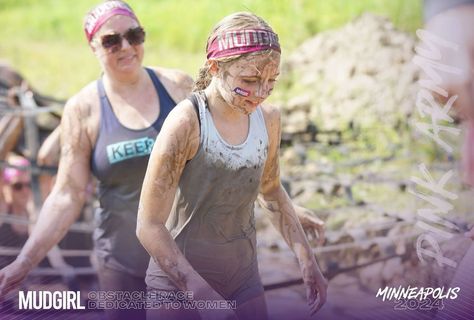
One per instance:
(99, 15)
(235, 42)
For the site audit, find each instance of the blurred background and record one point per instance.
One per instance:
(44, 40)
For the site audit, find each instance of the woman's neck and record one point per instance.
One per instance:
(124, 82)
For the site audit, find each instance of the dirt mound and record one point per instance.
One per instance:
(360, 73)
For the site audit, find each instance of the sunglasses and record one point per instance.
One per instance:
(113, 42)
(18, 186)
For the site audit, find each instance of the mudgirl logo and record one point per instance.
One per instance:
(242, 41)
(46, 300)
(423, 298)
(245, 38)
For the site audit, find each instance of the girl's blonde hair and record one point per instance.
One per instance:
(235, 21)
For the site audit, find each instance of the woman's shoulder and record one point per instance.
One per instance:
(170, 74)
(177, 82)
(84, 105)
(80, 120)
(86, 95)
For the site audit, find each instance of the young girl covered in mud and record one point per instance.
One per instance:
(217, 153)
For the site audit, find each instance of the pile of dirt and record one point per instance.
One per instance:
(359, 74)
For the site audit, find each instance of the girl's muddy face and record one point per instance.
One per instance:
(245, 83)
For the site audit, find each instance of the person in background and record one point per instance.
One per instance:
(15, 200)
(108, 130)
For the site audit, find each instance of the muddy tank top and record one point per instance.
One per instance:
(119, 162)
(212, 218)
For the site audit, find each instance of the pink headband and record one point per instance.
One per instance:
(100, 14)
(9, 174)
(235, 42)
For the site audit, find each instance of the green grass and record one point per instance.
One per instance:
(45, 42)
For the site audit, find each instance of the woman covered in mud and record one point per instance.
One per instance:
(107, 129)
(217, 153)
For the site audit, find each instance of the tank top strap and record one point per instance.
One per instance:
(108, 119)
(160, 89)
(257, 122)
(101, 89)
(203, 117)
(166, 102)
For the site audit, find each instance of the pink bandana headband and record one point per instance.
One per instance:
(236, 42)
(10, 173)
(99, 15)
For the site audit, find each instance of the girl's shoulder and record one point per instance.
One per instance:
(271, 113)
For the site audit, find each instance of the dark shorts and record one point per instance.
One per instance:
(114, 280)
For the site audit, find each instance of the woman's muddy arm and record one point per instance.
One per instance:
(63, 205)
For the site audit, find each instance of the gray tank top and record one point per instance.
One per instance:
(212, 218)
(119, 162)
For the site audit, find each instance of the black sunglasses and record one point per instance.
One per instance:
(113, 42)
(18, 186)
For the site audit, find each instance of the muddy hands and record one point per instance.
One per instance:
(12, 275)
(316, 290)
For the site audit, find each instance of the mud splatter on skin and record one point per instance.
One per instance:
(171, 259)
(172, 268)
(172, 164)
(254, 73)
(173, 160)
(279, 208)
(271, 177)
(273, 198)
(177, 142)
(282, 215)
(63, 205)
(75, 150)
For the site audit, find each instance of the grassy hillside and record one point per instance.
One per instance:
(44, 39)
